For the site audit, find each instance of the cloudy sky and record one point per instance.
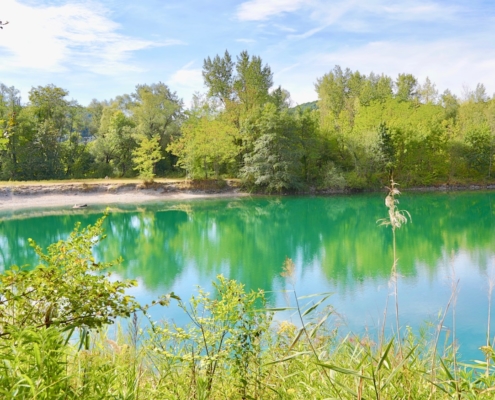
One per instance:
(100, 49)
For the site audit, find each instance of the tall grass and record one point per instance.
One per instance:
(233, 350)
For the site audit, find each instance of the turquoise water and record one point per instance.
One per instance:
(335, 243)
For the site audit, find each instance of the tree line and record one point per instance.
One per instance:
(362, 130)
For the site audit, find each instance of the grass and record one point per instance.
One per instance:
(219, 356)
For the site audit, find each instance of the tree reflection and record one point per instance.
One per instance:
(249, 239)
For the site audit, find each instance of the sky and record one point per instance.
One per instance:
(102, 49)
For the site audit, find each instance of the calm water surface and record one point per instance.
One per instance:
(334, 242)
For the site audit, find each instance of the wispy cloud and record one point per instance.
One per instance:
(349, 15)
(257, 10)
(286, 69)
(284, 28)
(60, 37)
(245, 40)
(309, 33)
(416, 10)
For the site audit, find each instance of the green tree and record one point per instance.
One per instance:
(480, 149)
(76, 158)
(40, 128)
(205, 144)
(252, 82)
(450, 103)
(376, 88)
(427, 92)
(406, 87)
(281, 98)
(312, 147)
(145, 157)
(274, 164)
(332, 90)
(94, 112)
(49, 103)
(339, 98)
(10, 106)
(218, 75)
(115, 142)
(157, 112)
(478, 95)
(242, 86)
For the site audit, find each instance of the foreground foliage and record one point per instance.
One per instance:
(230, 351)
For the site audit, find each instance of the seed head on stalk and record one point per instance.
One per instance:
(396, 217)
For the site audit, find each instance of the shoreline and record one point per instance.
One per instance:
(72, 194)
(82, 195)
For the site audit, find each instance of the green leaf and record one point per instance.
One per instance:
(313, 331)
(294, 355)
(398, 368)
(383, 358)
(296, 339)
(343, 370)
(309, 296)
(315, 306)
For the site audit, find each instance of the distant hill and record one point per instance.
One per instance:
(311, 105)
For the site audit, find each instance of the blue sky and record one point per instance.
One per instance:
(101, 49)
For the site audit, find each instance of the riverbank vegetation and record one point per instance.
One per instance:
(56, 341)
(362, 129)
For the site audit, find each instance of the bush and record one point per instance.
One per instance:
(67, 289)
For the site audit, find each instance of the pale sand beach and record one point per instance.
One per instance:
(81, 195)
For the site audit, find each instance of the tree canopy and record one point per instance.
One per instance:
(362, 129)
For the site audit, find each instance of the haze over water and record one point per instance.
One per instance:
(335, 243)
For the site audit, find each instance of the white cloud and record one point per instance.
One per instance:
(245, 40)
(309, 33)
(186, 81)
(284, 28)
(257, 10)
(56, 38)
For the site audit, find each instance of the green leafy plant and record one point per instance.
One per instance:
(69, 288)
(227, 332)
(34, 365)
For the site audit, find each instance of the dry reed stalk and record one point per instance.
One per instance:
(396, 218)
(488, 350)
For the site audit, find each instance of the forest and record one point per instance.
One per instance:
(362, 130)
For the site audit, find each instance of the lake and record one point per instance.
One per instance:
(335, 242)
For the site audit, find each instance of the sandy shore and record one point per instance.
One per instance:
(18, 197)
(69, 195)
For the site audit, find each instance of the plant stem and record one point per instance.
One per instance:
(396, 292)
